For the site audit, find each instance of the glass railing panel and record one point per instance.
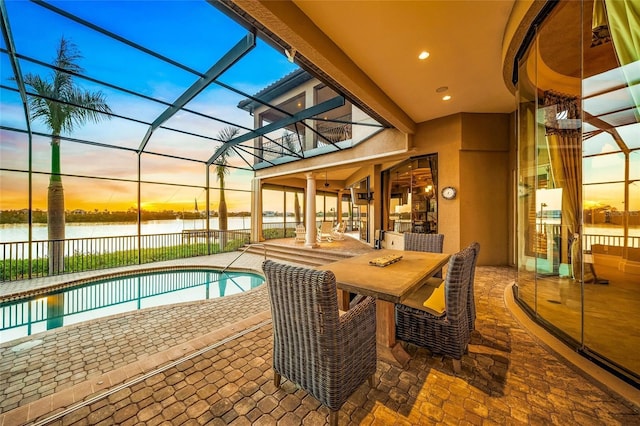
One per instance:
(525, 203)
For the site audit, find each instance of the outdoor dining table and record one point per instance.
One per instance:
(389, 285)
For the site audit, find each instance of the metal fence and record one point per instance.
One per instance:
(273, 230)
(21, 260)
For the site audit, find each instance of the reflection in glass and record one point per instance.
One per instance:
(604, 168)
(599, 143)
(634, 169)
(579, 250)
(413, 196)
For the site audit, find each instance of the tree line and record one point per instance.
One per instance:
(40, 216)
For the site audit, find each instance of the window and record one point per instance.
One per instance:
(413, 196)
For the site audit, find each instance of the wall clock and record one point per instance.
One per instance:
(449, 192)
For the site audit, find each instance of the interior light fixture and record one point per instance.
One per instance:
(446, 97)
(423, 55)
(326, 183)
(442, 89)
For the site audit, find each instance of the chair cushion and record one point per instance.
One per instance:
(431, 290)
(435, 303)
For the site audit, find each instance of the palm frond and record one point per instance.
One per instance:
(40, 107)
(66, 58)
(93, 108)
(60, 103)
(225, 135)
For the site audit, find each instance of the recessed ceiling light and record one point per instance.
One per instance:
(442, 89)
(423, 55)
(446, 97)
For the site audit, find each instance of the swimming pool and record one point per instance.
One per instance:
(117, 294)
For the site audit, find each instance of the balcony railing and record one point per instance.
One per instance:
(588, 240)
(21, 260)
(280, 147)
(328, 133)
(334, 132)
(609, 240)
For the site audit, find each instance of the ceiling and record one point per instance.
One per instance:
(384, 38)
(371, 48)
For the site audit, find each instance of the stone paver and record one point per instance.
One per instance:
(73, 354)
(507, 376)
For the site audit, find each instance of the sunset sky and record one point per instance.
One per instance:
(195, 35)
(191, 33)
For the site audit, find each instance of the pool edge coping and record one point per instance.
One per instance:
(101, 275)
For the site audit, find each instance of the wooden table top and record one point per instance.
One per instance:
(392, 282)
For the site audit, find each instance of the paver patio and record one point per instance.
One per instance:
(210, 363)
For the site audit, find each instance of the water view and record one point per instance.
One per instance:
(20, 232)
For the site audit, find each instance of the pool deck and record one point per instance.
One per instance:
(209, 362)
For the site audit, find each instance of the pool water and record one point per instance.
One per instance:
(115, 295)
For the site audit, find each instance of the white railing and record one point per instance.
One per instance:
(609, 240)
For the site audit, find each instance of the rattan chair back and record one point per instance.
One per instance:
(471, 298)
(449, 333)
(424, 242)
(327, 354)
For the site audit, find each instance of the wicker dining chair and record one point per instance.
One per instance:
(471, 299)
(424, 242)
(445, 333)
(326, 353)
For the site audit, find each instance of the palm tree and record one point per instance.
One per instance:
(224, 135)
(288, 142)
(296, 209)
(62, 106)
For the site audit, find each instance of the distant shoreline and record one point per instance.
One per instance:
(38, 216)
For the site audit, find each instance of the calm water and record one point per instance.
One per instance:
(20, 232)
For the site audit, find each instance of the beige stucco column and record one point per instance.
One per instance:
(310, 212)
(256, 208)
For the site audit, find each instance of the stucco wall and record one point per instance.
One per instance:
(473, 156)
(444, 137)
(484, 177)
(483, 204)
